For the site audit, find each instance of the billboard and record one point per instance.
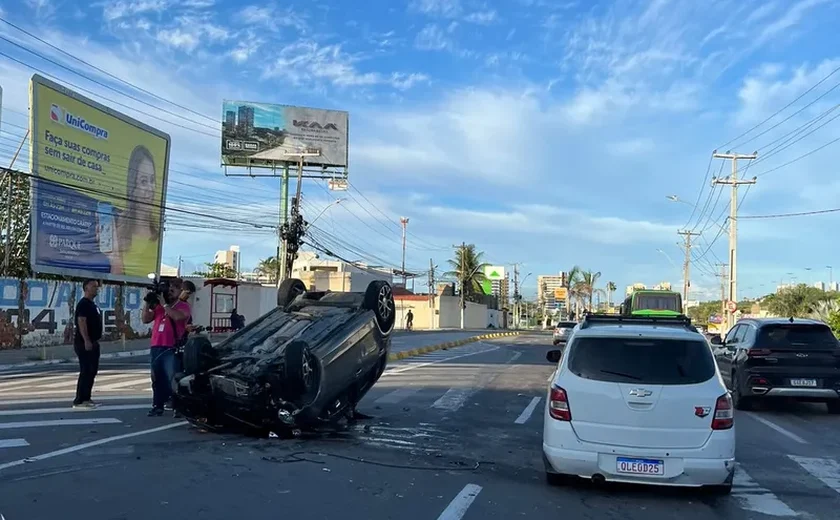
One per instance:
(494, 272)
(265, 135)
(98, 189)
(561, 293)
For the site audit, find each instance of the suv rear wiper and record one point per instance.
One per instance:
(622, 374)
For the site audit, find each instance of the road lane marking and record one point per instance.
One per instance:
(48, 393)
(13, 443)
(60, 422)
(397, 395)
(65, 409)
(132, 382)
(756, 498)
(86, 445)
(71, 380)
(770, 424)
(826, 471)
(29, 381)
(421, 365)
(459, 505)
(528, 411)
(453, 399)
(22, 402)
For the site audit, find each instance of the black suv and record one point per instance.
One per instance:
(780, 358)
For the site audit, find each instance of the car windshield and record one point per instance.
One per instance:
(634, 360)
(796, 336)
(566, 325)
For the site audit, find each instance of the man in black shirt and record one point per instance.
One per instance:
(88, 321)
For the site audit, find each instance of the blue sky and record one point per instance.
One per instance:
(547, 133)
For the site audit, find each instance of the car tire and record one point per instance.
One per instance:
(739, 402)
(198, 355)
(302, 370)
(833, 407)
(288, 291)
(379, 298)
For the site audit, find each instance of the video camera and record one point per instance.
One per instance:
(157, 288)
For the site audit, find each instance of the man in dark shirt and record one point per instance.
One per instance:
(88, 322)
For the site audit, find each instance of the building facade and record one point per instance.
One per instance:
(230, 258)
(552, 294)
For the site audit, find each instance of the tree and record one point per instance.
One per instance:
(468, 269)
(572, 279)
(611, 288)
(797, 302)
(269, 267)
(216, 270)
(586, 285)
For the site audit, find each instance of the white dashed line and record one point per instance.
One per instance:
(528, 411)
(770, 424)
(459, 505)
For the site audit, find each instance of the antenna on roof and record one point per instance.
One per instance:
(791, 319)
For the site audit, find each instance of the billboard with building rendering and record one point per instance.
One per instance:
(99, 188)
(267, 135)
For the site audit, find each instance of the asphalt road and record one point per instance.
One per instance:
(454, 434)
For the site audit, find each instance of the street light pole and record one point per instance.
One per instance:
(404, 222)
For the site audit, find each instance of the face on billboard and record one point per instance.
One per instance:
(100, 188)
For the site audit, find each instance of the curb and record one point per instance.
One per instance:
(391, 357)
(444, 346)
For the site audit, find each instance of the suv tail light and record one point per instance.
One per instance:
(723, 418)
(758, 352)
(558, 405)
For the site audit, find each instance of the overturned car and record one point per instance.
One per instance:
(305, 364)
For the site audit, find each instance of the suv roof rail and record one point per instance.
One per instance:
(617, 319)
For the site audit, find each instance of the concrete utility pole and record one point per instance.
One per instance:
(687, 266)
(516, 296)
(404, 222)
(463, 277)
(734, 182)
(722, 276)
(432, 293)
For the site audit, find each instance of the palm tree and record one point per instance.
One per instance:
(586, 285)
(468, 269)
(268, 267)
(611, 288)
(572, 279)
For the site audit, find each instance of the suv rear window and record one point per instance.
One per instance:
(640, 360)
(566, 325)
(657, 302)
(796, 336)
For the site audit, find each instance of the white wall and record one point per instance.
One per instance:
(252, 301)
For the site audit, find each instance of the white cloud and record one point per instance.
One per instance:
(179, 39)
(482, 17)
(112, 11)
(791, 18)
(444, 8)
(307, 62)
(433, 38)
(271, 17)
(42, 8)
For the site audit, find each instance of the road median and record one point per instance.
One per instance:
(447, 345)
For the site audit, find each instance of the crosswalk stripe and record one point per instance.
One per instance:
(68, 410)
(397, 395)
(33, 381)
(24, 402)
(753, 497)
(60, 422)
(826, 471)
(13, 443)
(453, 399)
(71, 380)
(132, 382)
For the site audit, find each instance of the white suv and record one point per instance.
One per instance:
(638, 400)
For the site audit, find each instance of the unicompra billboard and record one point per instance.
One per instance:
(99, 187)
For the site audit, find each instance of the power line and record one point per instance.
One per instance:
(785, 215)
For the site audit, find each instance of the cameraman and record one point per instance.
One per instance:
(169, 316)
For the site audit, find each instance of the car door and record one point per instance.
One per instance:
(725, 355)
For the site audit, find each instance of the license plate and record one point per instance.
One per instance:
(640, 466)
(803, 382)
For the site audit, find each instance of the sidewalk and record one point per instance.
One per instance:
(52, 355)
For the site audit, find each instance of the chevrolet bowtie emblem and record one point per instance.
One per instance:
(640, 392)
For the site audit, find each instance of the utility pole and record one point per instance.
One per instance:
(180, 261)
(293, 229)
(404, 222)
(284, 218)
(722, 276)
(687, 266)
(733, 182)
(463, 280)
(432, 293)
(516, 295)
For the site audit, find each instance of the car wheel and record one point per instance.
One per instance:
(739, 401)
(379, 298)
(302, 373)
(198, 355)
(288, 291)
(833, 407)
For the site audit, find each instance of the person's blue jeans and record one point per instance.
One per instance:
(163, 372)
